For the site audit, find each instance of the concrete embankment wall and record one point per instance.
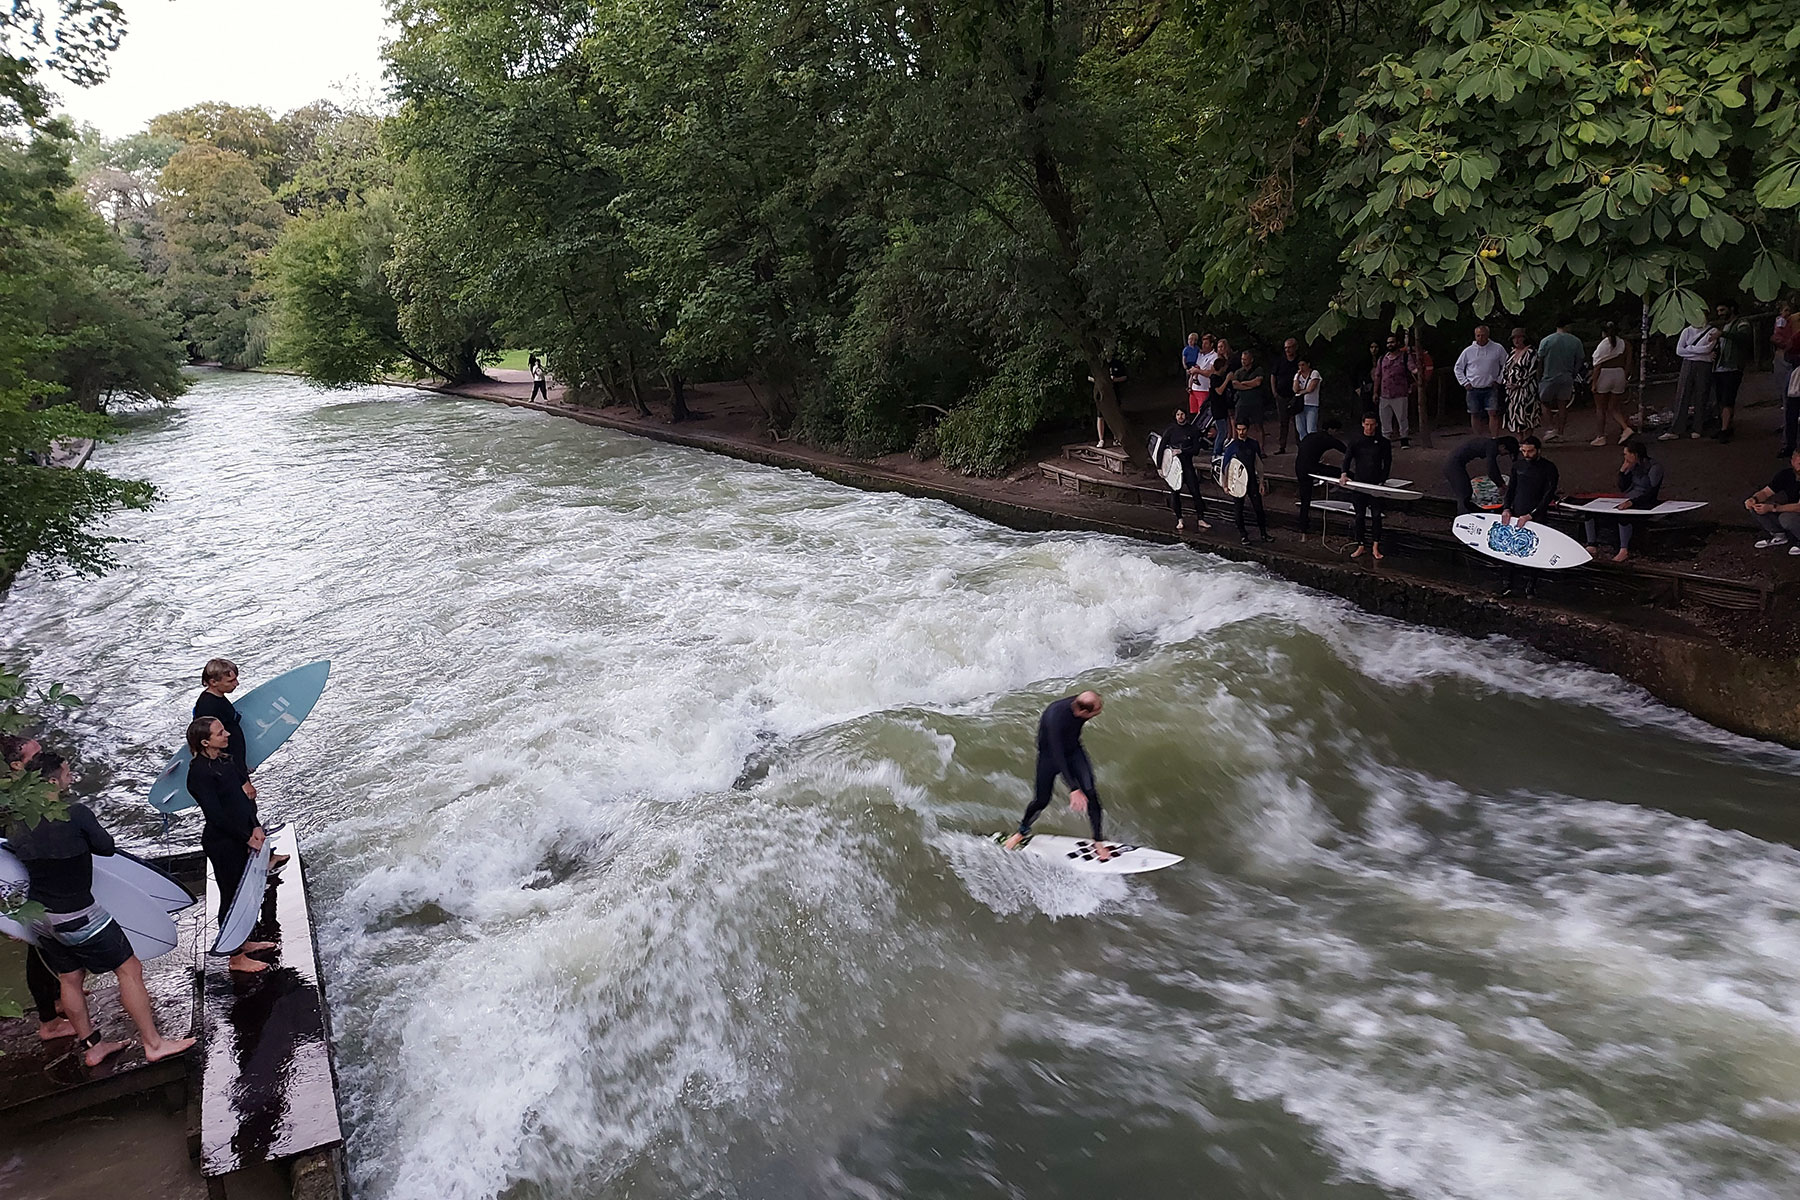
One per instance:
(1722, 686)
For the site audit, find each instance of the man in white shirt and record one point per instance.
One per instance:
(1200, 376)
(1696, 348)
(1478, 370)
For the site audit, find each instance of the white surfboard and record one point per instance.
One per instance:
(1610, 508)
(1391, 490)
(1078, 854)
(236, 926)
(146, 922)
(1235, 478)
(1168, 463)
(1534, 545)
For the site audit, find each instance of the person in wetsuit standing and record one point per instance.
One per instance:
(1059, 752)
(76, 934)
(1183, 439)
(233, 831)
(220, 678)
(1529, 494)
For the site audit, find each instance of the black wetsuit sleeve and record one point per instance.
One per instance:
(1493, 462)
(1512, 489)
(1387, 461)
(226, 713)
(92, 832)
(1552, 480)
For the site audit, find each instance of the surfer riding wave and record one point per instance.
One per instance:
(1059, 752)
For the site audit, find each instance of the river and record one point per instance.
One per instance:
(643, 814)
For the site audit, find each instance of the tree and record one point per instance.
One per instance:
(253, 133)
(218, 220)
(335, 315)
(1571, 153)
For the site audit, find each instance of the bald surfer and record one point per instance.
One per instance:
(1059, 752)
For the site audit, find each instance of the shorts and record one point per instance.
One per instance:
(1196, 401)
(1249, 414)
(1556, 390)
(1483, 400)
(1610, 381)
(107, 949)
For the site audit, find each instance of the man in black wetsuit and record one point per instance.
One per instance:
(1486, 450)
(1247, 450)
(76, 935)
(1309, 460)
(1529, 494)
(1059, 752)
(1183, 439)
(40, 980)
(1367, 459)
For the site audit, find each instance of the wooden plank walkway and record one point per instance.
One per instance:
(269, 1088)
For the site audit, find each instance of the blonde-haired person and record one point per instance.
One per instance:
(1612, 368)
(218, 679)
(233, 831)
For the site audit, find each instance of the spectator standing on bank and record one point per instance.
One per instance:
(1529, 494)
(1776, 507)
(1393, 389)
(1737, 340)
(1190, 356)
(1696, 347)
(1524, 412)
(1307, 383)
(1281, 383)
(1220, 395)
(1309, 460)
(1367, 459)
(1641, 481)
(1790, 410)
(1782, 338)
(1612, 368)
(1559, 356)
(1478, 370)
(1200, 376)
(1182, 439)
(1365, 387)
(539, 380)
(1250, 390)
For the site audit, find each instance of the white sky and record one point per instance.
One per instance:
(279, 54)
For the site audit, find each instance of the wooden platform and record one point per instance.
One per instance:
(269, 1087)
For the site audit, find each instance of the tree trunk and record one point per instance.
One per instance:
(1106, 399)
(678, 409)
(1418, 341)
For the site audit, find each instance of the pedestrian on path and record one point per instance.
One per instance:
(1696, 347)
(1737, 341)
(539, 380)
(1524, 412)
(1478, 370)
(1393, 388)
(1612, 368)
(1559, 356)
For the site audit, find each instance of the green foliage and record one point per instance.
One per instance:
(990, 433)
(252, 133)
(334, 314)
(1579, 152)
(218, 220)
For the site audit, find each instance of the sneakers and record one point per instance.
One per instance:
(1794, 551)
(1623, 437)
(1599, 441)
(1669, 437)
(1550, 435)
(1770, 543)
(1695, 436)
(1199, 524)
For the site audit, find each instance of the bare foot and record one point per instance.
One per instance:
(51, 1031)
(258, 947)
(1101, 853)
(246, 966)
(166, 1048)
(99, 1052)
(1013, 842)
(1357, 553)
(1593, 551)
(1621, 556)
(1378, 554)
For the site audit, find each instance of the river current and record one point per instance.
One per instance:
(644, 818)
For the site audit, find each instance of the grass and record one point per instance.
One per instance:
(511, 360)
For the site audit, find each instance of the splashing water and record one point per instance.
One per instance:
(645, 813)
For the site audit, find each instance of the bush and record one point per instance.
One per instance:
(989, 433)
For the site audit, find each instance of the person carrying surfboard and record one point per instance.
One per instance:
(1182, 439)
(1529, 494)
(76, 935)
(1367, 459)
(219, 678)
(1247, 450)
(1059, 752)
(40, 980)
(1485, 450)
(233, 831)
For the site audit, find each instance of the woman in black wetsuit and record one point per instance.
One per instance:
(233, 831)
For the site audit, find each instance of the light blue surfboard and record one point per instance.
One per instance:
(146, 921)
(270, 713)
(236, 925)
